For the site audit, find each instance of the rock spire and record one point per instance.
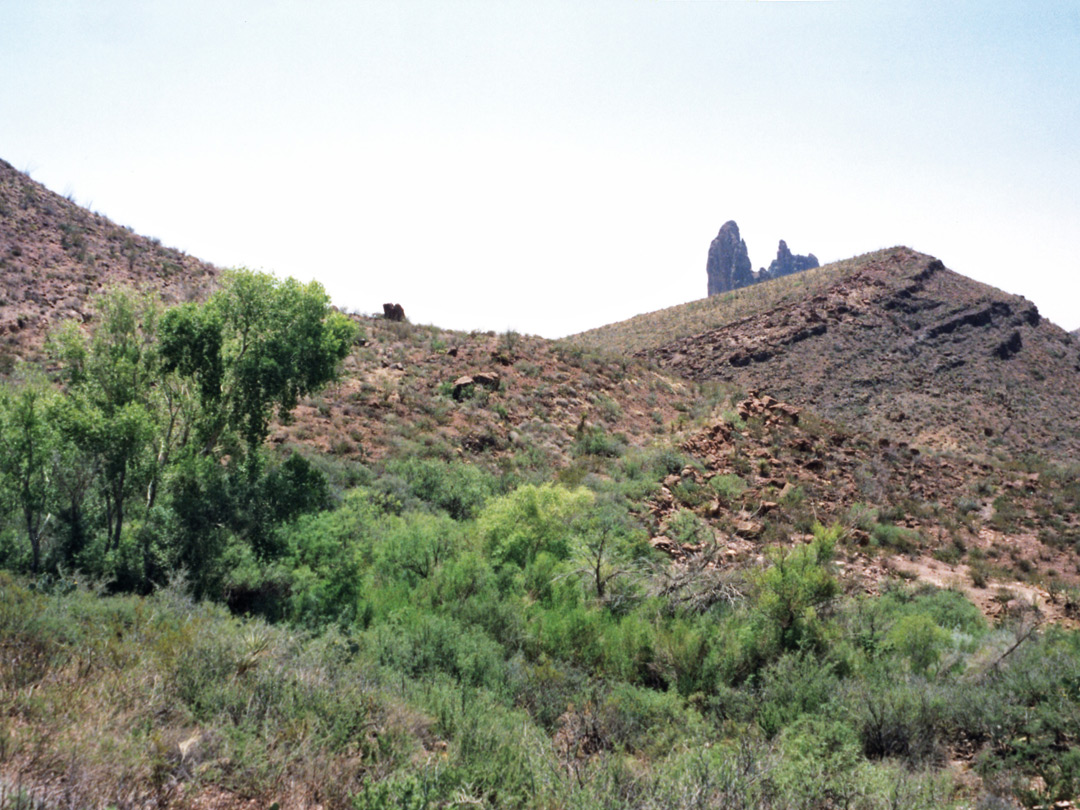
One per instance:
(729, 267)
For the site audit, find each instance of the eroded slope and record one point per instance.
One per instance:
(904, 348)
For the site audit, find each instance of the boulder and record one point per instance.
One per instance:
(749, 529)
(461, 385)
(393, 312)
(487, 379)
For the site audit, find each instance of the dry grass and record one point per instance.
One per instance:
(654, 329)
(132, 703)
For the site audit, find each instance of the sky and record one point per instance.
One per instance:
(552, 166)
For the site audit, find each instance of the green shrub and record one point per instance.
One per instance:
(457, 488)
(919, 641)
(531, 519)
(895, 538)
(795, 685)
(791, 602)
(904, 718)
(595, 441)
(687, 527)
(728, 488)
(949, 609)
(414, 545)
(861, 516)
(419, 644)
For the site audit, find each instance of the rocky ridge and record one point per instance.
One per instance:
(955, 521)
(903, 347)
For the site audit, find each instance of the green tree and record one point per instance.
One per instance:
(258, 345)
(112, 379)
(607, 545)
(533, 519)
(253, 349)
(28, 443)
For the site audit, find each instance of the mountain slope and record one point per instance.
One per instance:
(891, 342)
(55, 256)
(895, 351)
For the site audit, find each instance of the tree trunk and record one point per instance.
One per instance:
(35, 541)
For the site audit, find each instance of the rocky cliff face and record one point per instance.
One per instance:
(729, 267)
(787, 263)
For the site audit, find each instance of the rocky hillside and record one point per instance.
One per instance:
(502, 400)
(55, 256)
(893, 343)
(881, 358)
(404, 386)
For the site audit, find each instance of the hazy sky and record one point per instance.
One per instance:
(549, 166)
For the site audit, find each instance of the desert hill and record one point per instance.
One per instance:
(397, 392)
(501, 400)
(799, 501)
(891, 342)
(884, 357)
(55, 256)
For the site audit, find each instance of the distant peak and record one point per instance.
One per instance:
(728, 266)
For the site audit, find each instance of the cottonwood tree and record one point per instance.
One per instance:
(158, 422)
(112, 377)
(253, 349)
(257, 346)
(28, 442)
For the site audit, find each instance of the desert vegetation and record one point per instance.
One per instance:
(193, 615)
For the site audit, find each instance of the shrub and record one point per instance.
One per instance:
(417, 644)
(531, 519)
(412, 546)
(789, 610)
(795, 685)
(595, 441)
(728, 487)
(900, 718)
(457, 488)
(686, 527)
(919, 640)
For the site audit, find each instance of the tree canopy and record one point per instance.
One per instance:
(258, 345)
(168, 401)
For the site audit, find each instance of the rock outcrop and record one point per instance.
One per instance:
(393, 312)
(787, 263)
(729, 267)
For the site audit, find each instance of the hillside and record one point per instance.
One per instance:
(892, 343)
(883, 354)
(55, 256)
(493, 570)
(530, 403)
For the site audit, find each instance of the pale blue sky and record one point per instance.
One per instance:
(550, 166)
